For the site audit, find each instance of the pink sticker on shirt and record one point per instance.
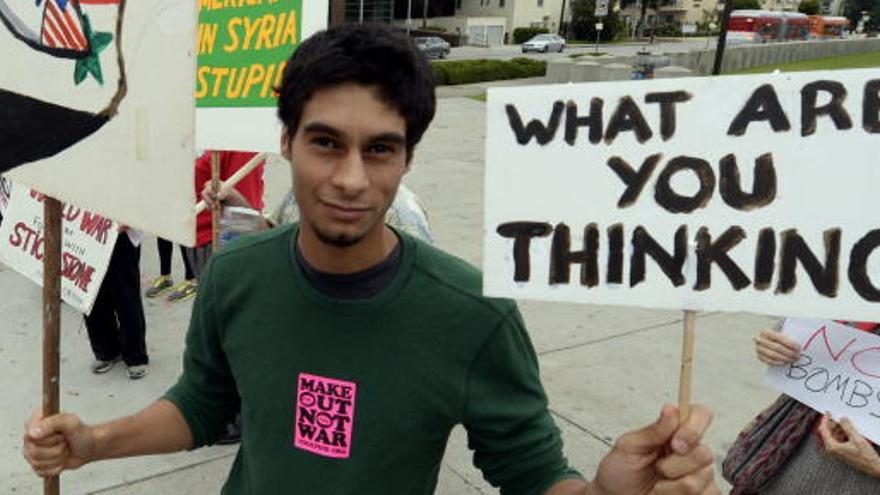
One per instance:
(324, 415)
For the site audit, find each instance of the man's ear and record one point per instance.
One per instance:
(285, 143)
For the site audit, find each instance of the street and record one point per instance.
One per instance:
(511, 51)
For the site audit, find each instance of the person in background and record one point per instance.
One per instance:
(250, 189)
(804, 451)
(164, 282)
(116, 325)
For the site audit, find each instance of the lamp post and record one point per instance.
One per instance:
(562, 20)
(425, 14)
(408, 16)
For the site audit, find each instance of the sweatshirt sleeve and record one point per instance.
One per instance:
(205, 393)
(515, 441)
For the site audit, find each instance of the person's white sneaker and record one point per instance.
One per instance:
(137, 371)
(100, 366)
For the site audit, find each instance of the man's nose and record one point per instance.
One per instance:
(350, 174)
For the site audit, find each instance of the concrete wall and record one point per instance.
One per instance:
(682, 64)
(738, 57)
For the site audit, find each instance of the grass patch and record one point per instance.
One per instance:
(856, 61)
(478, 97)
(475, 71)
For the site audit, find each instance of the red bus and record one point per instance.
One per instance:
(828, 27)
(755, 26)
(796, 26)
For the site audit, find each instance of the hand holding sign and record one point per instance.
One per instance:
(844, 442)
(776, 349)
(666, 457)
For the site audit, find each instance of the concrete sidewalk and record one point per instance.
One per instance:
(606, 369)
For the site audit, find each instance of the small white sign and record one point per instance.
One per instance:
(599, 26)
(88, 239)
(838, 372)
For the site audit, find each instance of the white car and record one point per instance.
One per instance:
(544, 43)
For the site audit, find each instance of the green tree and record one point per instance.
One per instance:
(810, 7)
(583, 21)
(747, 5)
(855, 8)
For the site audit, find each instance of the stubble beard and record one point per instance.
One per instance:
(338, 240)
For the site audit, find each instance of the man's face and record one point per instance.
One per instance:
(348, 156)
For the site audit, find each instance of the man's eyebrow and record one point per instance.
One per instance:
(321, 128)
(389, 137)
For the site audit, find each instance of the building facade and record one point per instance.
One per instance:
(516, 13)
(683, 14)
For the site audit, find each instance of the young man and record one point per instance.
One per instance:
(354, 349)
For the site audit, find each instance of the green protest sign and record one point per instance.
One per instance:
(242, 46)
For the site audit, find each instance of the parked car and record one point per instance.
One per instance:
(544, 43)
(433, 47)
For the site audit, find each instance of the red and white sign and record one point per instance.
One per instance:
(88, 242)
(838, 372)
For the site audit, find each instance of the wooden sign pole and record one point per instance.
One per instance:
(51, 318)
(687, 360)
(216, 210)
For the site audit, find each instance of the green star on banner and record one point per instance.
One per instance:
(92, 63)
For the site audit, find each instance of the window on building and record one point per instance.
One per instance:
(501, 3)
(540, 3)
(458, 4)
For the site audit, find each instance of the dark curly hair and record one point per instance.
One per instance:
(365, 54)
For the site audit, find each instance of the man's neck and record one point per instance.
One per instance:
(327, 258)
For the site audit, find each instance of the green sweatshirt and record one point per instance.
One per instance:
(359, 397)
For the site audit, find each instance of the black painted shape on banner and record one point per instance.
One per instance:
(765, 263)
(871, 107)
(709, 252)
(858, 266)
(794, 249)
(32, 130)
(562, 257)
(522, 233)
(762, 105)
(667, 103)
(763, 186)
(671, 264)
(834, 108)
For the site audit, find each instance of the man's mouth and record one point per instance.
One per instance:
(343, 211)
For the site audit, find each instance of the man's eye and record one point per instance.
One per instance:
(380, 149)
(325, 142)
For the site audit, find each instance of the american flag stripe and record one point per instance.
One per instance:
(80, 39)
(48, 39)
(61, 41)
(62, 30)
(58, 17)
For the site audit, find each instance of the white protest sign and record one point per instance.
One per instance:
(242, 50)
(88, 241)
(97, 107)
(838, 372)
(738, 193)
